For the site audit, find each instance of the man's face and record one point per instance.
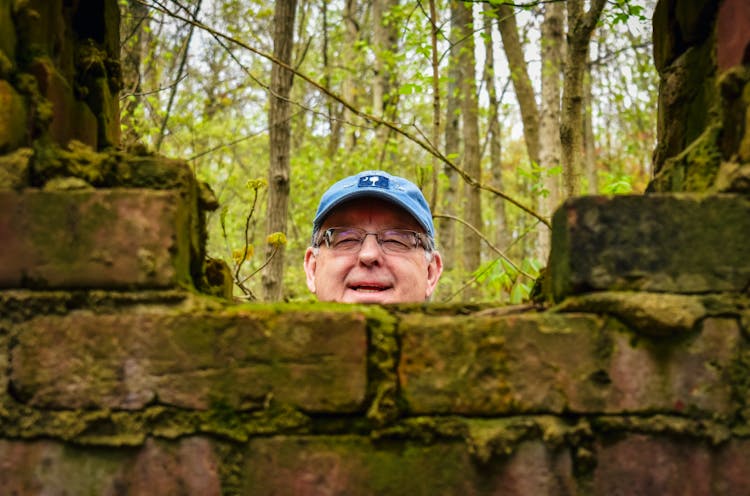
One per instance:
(369, 275)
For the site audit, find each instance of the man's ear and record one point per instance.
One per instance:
(434, 270)
(311, 262)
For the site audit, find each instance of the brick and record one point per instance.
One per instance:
(732, 38)
(680, 243)
(187, 466)
(356, 466)
(644, 465)
(552, 363)
(93, 239)
(241, 359)
(8, 39)
(12, 118)
(72, 119)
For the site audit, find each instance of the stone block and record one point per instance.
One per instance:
(109, 239)
(14, 169)
(552, 363)
(732, 33)
(356, 466)
(8, 39)
(42, 26)
(679, 243)
(644, 465)
(72, 119)
(242, 359)
(13, 122)
(187, 466)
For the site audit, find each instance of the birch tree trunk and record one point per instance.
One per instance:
(279, 138)
(553, 41)
(580, 28)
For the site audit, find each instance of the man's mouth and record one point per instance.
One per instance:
(368, 288)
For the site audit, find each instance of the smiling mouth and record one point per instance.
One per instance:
(367, 288)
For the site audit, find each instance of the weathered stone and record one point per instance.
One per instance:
(691, 18)
(72, 119)
(12, 118)
(691, 375)
(655, 314)
(475, 365)
(315, 361)
(42, 25)
(356, 466)
(14, 169)
(188, 466)
(646, 465)
(8, 39)
(663, 243)
(733, 178)
(94, 239)
(732, 34)
(687, 112)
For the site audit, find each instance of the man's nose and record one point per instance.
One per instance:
(370, 250)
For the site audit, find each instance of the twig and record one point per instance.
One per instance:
(356, 111)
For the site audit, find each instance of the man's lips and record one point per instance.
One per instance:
(369, 287)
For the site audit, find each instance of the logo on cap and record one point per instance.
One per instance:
(373, 182)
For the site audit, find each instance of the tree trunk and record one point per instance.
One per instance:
(447, 227)
(501, 227)
(279, 137)
(553, 42)
(580, 27)
(520, 77)
(350, 59)
(589, 146)
(470, 114)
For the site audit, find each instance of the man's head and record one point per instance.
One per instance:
(373, 242)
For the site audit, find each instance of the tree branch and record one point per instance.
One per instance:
(356, 111)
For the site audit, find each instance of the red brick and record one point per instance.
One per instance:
(93, 239)
(556, 363)
(315, 361)
(674, 243)
(639, 464)
(188, 466)
(13, 125)
(356, 466)
(72, 118)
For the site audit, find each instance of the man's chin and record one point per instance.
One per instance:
(377, 297)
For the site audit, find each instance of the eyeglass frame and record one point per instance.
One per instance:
(420, 239)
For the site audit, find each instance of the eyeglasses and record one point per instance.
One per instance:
(350, 239)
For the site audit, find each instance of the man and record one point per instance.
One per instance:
(373, 242)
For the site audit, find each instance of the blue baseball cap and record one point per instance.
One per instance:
(377, 184)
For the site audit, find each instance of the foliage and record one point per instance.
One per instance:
(218, 118)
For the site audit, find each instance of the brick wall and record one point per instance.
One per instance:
(121, 376)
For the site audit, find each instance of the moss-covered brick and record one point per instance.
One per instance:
(187, 466)
(688, 376)
(547, 363)
(94, 239)
(498, 365)
(357, 466)
(243, 359)
(72, 119)
(670, 466)
(8, 38)
(663, 243)
(13, 128)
